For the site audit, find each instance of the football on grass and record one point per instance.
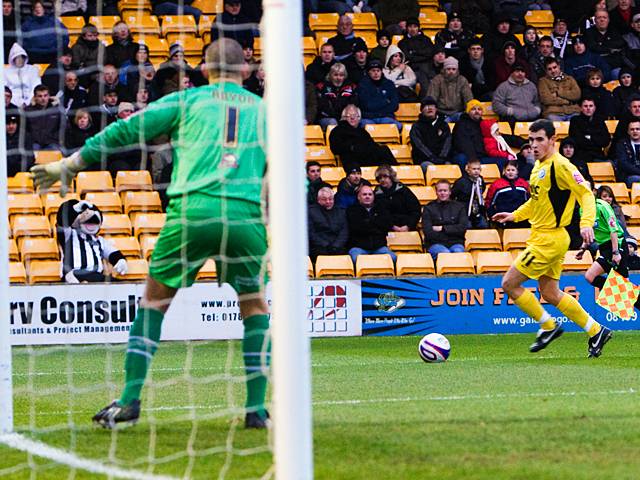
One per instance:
(434, 348)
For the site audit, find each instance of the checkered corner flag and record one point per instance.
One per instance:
(618, 295)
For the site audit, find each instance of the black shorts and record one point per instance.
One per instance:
(606, 254)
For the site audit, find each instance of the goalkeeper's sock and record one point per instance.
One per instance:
(529, 304)
(578, 315)
(143, 343)
(256, 351)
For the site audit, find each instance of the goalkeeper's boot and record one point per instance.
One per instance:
(545, 337)
(256, 420)
(115, 413)
(596, 343)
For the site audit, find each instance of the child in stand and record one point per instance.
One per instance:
(468, 190)
(379, 52)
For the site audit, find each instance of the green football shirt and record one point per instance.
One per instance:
(606, 222)
(218, 136)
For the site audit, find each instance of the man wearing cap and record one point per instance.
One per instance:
(503, 64)
(53, 76)
(378, 96)
(453, 37)
(468, 141)
(632, 39)
(561, 38)
(606, 42)
(19, 150)
(107, 112)
(478, 71)
(348, 187)
(516, 99)
(327, 226)
(620, 17)
(559, 93)
(451, 90)
(345, 39)
(357, 63)
(318, 69)
(416, 46)
(582, 60)
(232, 23)
(430, 136)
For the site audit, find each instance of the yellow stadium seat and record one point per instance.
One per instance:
(192, 45)
(571, 264)
(601, 171)
(20, 183)
(116, 224)
(178, 24)
(620, 191)
(127, 7)
(410, 174)
(24, 204)
(30, 226)
(133, 180)
(107, 202)
(323, 22)
(632, 214)
(402, 153)
(383, 132)
(208, 7)
(52, 202)
(334, 266)
(39, 248)
(634, 231)
(515, 238)
(635, 192)
(424, 194)
(47, 156)
(369, 37)
(208, 271)
(137, 269)
(432, 21)
(374, 265)
(454, 263)
(44, 271)
(487, 239)
(143, 24)
(505, 128)
(332, 175)
(521, 129)
(17, 273)
(429, 4)
(128, 246)
(142, 202)
(611, 125)
(309, 268)
(147, 244)
(364, 21)
(442, 172)
(148, 223)
(408, 112)
(313, 135)
(319, 153)
(94, 182)
(14, 253)
(612, 85)
(74, 24)
(404, 241)
(539, 18)
(406, 132)
(204, 27)
(487, 111)
(490, 172)
(493, 262)
(158, 47)
(104, 23)
(562, 129)
(309, 46)
(369, 173)
(414, 264)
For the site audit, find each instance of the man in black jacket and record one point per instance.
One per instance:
(416, 46)
(318, 70)
(232, 23)
(368, 224)
(345, 38)
(398, 199)
(327, 224)
(46, 120)
(475, 67)
(627, 155)
(444, 222)
(315, 182)
(430, 136)
(606, 42)
(19, 150)
(468, 141)
(589, 132)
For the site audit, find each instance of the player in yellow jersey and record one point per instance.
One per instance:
(556, 184)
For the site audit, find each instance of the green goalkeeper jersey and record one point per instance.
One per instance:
(606, 222)
(218, 136)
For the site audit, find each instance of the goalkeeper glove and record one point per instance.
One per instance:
(64, 170)
(121, 267)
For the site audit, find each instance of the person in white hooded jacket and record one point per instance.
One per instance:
(401, 74)
(20, 76)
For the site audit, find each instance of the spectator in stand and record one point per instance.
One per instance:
(142, 98)
(256, 81)
(451, 90)
(232, 23)
(568, 150)
(80, 130)
(605, 104)
(398, 199)
(345, 39)
(353, 144)
(426, 73)
(582, 60)
(379, 52)
(494, 144)
(561, 38)
(334, 94)
(19, 150)
(315, 182)
(454, 38)
(46, 120)
(9, 28)
(327, 226)
(468, 190)
(493, 42)
(74, 96)
(516, 99)
(310, 103)
(170, 74)
(444, 222)
(430, 136)
(183, 7)
(43, 36)
(574, 12)
(368, 222)
(348, 187)
(20, 76)
(73, 8)
(468, 141)
(474, 14)
(318, 69)
(137, 72)
(559, 93)
(633, 262)
(107, 113)
(606, 42)
(378, 96)
(632, 113)
(129, 157)
(357, 63)
(545, 50)
(503, 64)
(123, 49)
(478, 71)
(393, 14)
(416, 46)
(53, 76)
(9, 106)
(623, 93)
(627, 155)
(632, 39)
(108, 80)
(525, 161)
(400, 73)
(507, 194)
(531, 42)
(589, 132)
(620, 18)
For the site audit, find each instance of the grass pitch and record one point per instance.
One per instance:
(493, 411)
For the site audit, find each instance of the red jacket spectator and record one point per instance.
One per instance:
(494, 144)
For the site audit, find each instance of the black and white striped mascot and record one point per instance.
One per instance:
(83, 250)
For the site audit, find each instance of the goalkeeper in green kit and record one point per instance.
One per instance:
(218, 136)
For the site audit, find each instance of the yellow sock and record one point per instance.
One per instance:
(578, 315)
(529, 304)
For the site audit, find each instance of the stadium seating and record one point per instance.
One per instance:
(20, 183)
(404, 241)
(204, 27)
(44, 271)
(408, 112)
(24, 204)
(632, 214)
(309, 46)
(134, 6)
(148, 223)
(521, 129)
(482, 240)
(104, 23)
(432, 21)
(611, 125)
(562, 129)
(158, 47)
(487, 112)
(309, 268)
(129, 246)
(30, 226)
(46, 156)
(490, 172)
(515, 238)
(323, 22)
(572, 264)
(442, 172)
(369, 173)
(458, 263)
(601, 172)
(14, 254)
(319, 153)
(493, 262)
(94, 182)
(39, 248)
(313, 135)
(74, 24)
(374, 265)
(142, 202)
(133, 180)
(332, 175)
(208, 6)
(143, 25)
(116, 224)
(505, 128)
(410, 174)
(405, 134)
(137, 269)
(414, 264)
(334, 266)
(147, 244)
(635, 193)
(540, 19)
(52, 202)
(182, 24)
(424, 194)
(612, 85)
(208, 271)
(620, 192)
(383, 132)
(402, 153)
(17, 273)
(365, 21)
(634, 231)
(107, 202)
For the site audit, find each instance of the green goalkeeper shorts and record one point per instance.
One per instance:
(199, 227)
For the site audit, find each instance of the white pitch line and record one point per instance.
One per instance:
(34, 447)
